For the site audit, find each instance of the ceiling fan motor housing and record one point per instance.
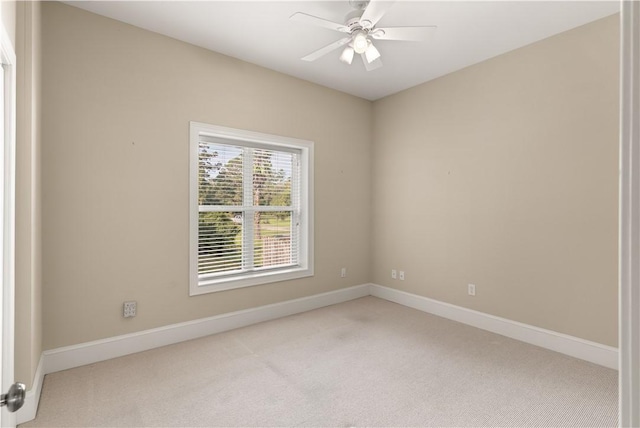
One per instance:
(353, 20)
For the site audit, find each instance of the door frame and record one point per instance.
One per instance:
(629, 257)
(8, 202)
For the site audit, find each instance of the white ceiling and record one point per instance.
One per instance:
(260, 32)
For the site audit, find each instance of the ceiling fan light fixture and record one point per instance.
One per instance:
(371, 53)
(360, 42)
(347, 55)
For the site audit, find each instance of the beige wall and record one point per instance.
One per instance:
(504, 175)
(8, 14)
(28, 342)
(117, 102)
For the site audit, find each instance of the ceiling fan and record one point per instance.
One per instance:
(360, 27)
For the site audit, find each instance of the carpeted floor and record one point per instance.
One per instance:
(367, 362)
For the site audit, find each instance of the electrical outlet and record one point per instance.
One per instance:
(129, 309)
(394, 274)
(471, 289)
(343, 272)
(401, 275)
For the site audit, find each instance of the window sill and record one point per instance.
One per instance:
(248, 280)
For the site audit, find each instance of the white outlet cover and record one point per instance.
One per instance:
(129, 309)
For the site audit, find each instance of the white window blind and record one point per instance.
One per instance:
(253, 218)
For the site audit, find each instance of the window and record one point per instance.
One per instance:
(250, 208)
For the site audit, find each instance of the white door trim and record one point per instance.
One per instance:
(629, 295)
(8, 62)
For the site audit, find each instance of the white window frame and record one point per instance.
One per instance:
(248, 138)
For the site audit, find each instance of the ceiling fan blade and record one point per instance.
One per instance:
(373, 65)
(412, 34)
(374, 11)
(325, 50)
(314, 20)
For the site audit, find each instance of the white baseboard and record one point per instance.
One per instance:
(118, 346)
(597, 353)
(100, 350)
(32, 398)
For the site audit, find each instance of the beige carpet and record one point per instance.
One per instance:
(367, 362)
